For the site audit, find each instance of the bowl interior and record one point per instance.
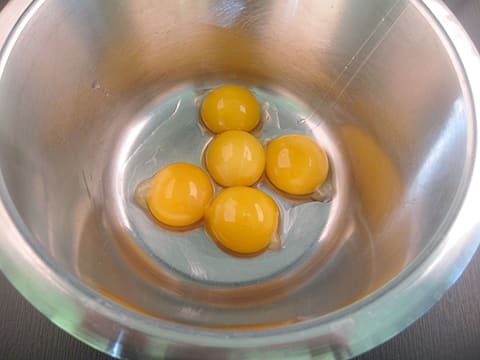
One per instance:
(96, 96)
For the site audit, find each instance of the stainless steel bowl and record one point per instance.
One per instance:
(97, 95)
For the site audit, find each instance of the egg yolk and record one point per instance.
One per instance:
(242, 219)
(296, 164)
(235, 158)
(230, 107)
(179, 194)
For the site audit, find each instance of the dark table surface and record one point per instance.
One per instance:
(450, 330)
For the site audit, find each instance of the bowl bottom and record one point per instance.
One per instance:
(183, 276)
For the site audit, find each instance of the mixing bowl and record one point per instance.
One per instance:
(95, 96)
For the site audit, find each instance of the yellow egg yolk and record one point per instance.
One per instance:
(230, 107)
(235, 158)
(242, 219)
(179, 194)
(296, 164)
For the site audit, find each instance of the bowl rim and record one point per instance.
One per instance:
(385, 312)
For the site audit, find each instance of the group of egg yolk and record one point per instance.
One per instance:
(240, 218)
